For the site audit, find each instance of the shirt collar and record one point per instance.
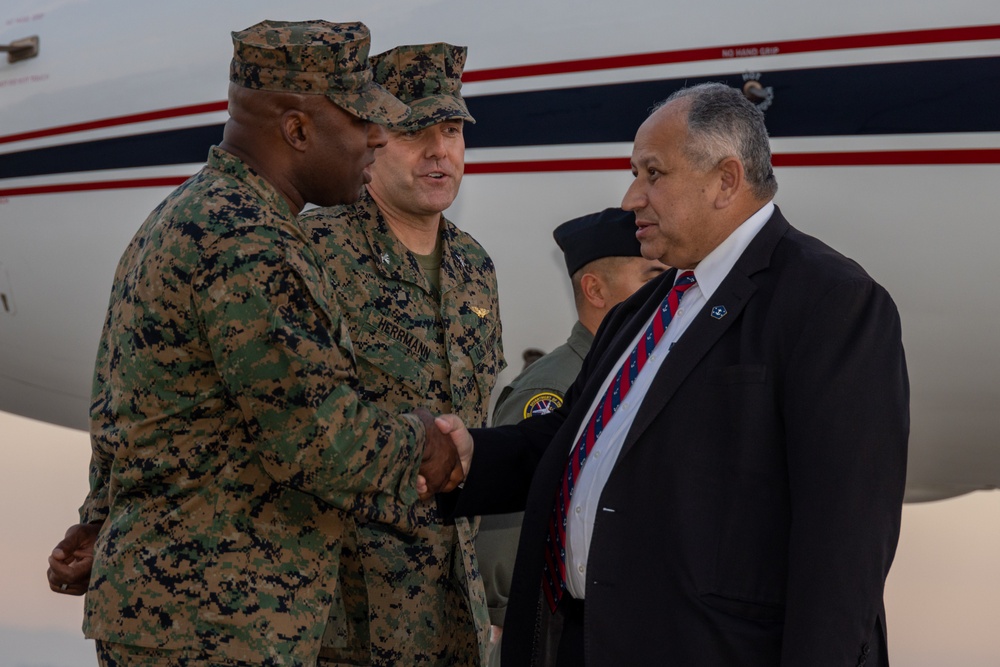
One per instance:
(712, 270)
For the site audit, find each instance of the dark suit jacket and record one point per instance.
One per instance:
(754, 510)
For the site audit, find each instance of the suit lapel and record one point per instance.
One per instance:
(620, 326)
(705, 331)
(619, 329)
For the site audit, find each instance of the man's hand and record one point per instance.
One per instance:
(441, 470)
(72, 560)
(453, 427)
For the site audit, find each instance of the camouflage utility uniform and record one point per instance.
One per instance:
(226, 430)
(414, 348)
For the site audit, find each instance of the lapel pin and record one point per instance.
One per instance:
(718, 312)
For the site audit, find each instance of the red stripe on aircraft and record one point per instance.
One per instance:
(906, 38)
(751, 49)
(845, 159)
(176, 112)
(534, 166)
(164, 182)
(888, 158)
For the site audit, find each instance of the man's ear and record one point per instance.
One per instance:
(732, 179)
(592, 288)
(296, 128)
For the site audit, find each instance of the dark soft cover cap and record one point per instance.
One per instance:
(610, 233)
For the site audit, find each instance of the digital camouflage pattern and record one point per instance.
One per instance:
(428, 78)
(314, 58)
(226, 430)
(119, 655)
(414, 348)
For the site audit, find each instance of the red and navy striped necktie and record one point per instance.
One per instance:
(554, 572)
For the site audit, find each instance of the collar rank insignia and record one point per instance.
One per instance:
(481, 312)
(385, 258)
(718, 312)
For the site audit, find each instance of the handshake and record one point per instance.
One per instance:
(447, 454)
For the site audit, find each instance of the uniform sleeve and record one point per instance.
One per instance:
(512, 410)
(286, 359)
(504, 412)
(846, 398)
(97, 504)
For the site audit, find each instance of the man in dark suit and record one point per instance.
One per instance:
(735, 499)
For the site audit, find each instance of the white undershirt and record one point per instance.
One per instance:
(709, 274)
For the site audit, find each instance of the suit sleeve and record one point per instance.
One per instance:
(846, 401)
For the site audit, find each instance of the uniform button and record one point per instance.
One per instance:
(578, 509)
(596, 454)
(580, 569)
(680, 311)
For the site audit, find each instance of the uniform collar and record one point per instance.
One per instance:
(395, 261)
(580, 339)
(228, 163)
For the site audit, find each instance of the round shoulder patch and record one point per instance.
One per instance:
(542, 404)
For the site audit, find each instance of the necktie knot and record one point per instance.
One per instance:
(685, 280)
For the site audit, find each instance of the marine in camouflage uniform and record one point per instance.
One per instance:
(588, 243)
(418, 340)
(226, 428)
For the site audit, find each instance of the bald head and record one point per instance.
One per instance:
(249, 107)
(305, 145)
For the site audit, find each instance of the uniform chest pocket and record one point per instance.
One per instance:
(399, 356)
(487, 361)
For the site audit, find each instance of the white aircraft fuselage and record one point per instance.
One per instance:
(883, 118)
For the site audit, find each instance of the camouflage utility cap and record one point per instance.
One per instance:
(315, 58)
(428, 77)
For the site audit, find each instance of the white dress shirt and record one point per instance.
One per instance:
(596, 470)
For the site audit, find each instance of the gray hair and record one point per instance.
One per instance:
(723, 123)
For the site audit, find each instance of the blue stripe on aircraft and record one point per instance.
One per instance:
(940, 96)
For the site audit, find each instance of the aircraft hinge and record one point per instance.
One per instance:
(21, 49)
